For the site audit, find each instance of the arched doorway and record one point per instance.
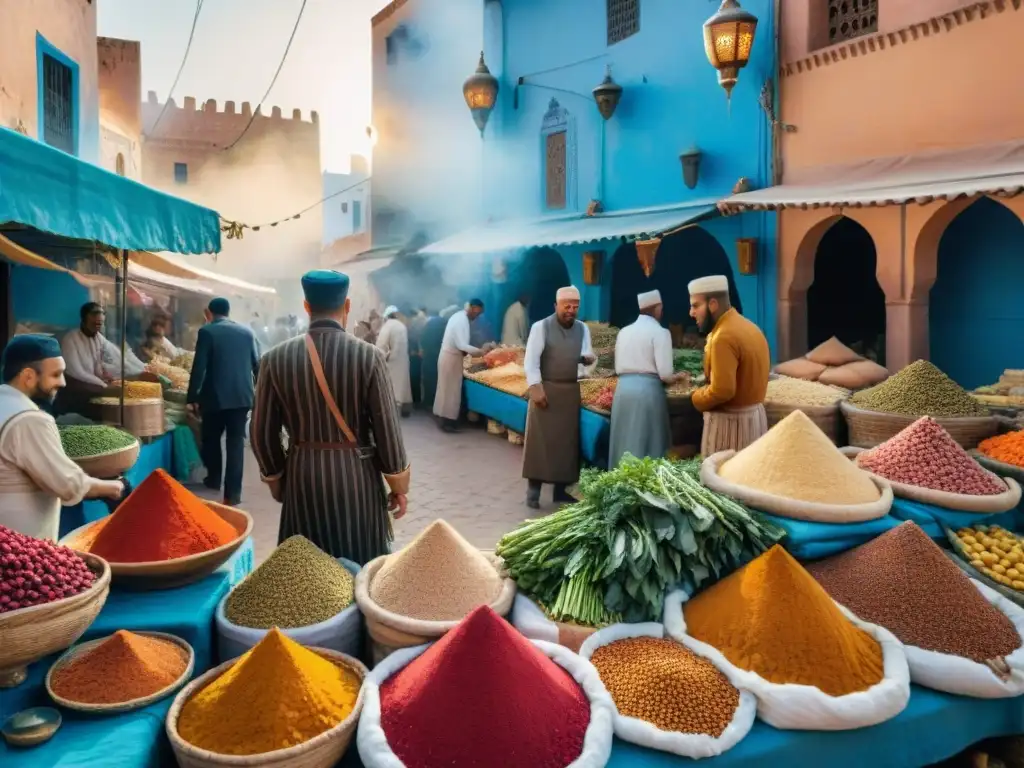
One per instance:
(845, 299)
(682, 257)
(539, 274)
(976, 306)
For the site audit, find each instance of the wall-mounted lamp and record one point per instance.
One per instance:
(691, 166)
(481, 92)
(593, 261)
(607, 95)
(646, 252)
(746, 255)
(728, 38)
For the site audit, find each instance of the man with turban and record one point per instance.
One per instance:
(556, 348)
(736, 364)
(332, 394)
(393, 341)
(36, 476)
(454, 346)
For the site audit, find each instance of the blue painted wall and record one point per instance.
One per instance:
(47, 297)
(976, 313)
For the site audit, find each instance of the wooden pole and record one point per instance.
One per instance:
(124, 328)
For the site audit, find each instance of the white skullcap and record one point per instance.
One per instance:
(649, 299)
(569, 293)
(710, 284)
(391, 310)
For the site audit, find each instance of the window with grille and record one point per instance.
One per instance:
(58, 104)
(623, 19)
(848, 19)
(181, 173)
(555, 170)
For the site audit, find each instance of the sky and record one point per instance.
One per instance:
(237, 47)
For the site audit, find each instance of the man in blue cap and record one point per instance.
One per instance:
(222, 389)
(36, 476)
(332, 394)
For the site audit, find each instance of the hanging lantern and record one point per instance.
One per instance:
(746, 255)
(646, 251)
(607, 95)
(728, 38)
(481, 93)
(592, 263)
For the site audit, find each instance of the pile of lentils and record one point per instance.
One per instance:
(34, 572)
(920, 389)
(297, 586)
(904, 582)
(92, 440)
(664, 683)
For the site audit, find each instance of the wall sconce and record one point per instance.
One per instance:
(607, 95)
(728, 38)
(691, 167)
(593, 261)
(746, 255)
(646, 251)
(481, 92)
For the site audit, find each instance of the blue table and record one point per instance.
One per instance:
(135, 739)
(511, 411)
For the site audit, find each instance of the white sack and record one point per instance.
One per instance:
(531, 622)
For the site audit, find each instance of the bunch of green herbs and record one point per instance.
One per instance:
(689, 360)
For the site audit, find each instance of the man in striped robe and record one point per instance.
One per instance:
(345, 466)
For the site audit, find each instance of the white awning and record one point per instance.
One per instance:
(577, 228)
(993, 169)
(139, 273)
(198, 273)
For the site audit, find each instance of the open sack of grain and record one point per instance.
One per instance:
(485, 695)
(924, 463)
(278, 594)
(668, 697)
(425, 589)
(811, 664)
(819, 401)
(958, 635)
(795, 471)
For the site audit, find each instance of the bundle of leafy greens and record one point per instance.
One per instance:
(642, 528)
(689, 360)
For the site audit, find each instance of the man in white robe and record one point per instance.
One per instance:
(516, 326)
(36, 476)
(455, 346)
(90, 357)
(393, 341)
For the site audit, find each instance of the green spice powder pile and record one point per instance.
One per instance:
(920, 389)
(298, 585)
(80, 441)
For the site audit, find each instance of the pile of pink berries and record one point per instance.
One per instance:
(34, 572)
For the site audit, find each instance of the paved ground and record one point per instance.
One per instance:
(471, 479)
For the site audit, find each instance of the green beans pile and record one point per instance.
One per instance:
(920, 389)
(82, 441)
(298, 585)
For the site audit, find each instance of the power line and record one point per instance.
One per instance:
(280, 66)
(177, 77)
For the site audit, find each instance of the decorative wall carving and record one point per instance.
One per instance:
(558, 150)
(848, 19)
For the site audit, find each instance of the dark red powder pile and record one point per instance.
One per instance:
(484, 696)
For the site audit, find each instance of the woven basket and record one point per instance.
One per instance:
(110, 464)
(515, 438)
(323, 751)
(143, 418)
(871, 428)
(168, 574)
(389, 631)
(962, 558)
(1000, 468)
(495, 427)
(29, 634)
(124, 706)
(826, 417)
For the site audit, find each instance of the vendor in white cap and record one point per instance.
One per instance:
(736, 363)
(555, 349)
(455, 345)
(393, 341)
(643, 363)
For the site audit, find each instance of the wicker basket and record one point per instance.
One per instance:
(110, 464)
(29, 634)
(323, 751)
(962, 558)
(515, 438)
(143, 418)
(495, 427)
(168, 574)
(871, 428)
(826, 417)
(124, 706)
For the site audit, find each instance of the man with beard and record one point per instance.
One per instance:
(36, 476)
(736, 363)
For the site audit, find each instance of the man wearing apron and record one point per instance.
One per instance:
(556, 347)
(736, 364)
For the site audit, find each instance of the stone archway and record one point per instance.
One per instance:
(540, 274)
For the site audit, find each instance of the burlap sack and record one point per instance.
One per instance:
(857, 375)
(833, 353)
(800, 368)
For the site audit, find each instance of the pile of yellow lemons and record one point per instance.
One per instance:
(996, 552)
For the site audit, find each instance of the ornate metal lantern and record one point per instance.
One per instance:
(728, 38)
(607, 95)
(481, 93)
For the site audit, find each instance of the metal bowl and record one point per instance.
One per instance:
(31, 726)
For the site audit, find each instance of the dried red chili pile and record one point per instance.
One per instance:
(34, 571)
(160, 520)
(924, 454)
(484, 696)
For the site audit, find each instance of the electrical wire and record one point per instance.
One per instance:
(234, 228)
(177, 77)
(280, 66)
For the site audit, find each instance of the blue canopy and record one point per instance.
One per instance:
(45, 188)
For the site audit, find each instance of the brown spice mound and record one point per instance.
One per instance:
(902, 581)
(666, 684)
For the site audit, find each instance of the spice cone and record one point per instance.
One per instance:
(796, 460)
